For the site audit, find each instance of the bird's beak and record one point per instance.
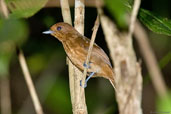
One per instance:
(48, 32)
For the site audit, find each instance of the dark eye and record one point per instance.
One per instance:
(59, 28)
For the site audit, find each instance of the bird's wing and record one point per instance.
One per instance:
(98, 50)
(102, 54)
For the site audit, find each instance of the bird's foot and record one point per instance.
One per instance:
(85, 85)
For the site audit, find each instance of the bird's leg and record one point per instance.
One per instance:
(85, 85)
(92, 73)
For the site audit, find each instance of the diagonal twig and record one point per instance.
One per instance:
(29, 83)
(150, 60)
(133, 17)
(95, 28)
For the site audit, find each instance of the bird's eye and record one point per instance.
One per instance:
(59, 28)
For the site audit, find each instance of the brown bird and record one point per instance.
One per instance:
(76, 47)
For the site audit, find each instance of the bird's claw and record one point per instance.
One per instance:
(85, 85)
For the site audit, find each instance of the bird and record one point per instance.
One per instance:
(76, 47)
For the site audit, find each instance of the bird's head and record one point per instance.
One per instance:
(62, 31)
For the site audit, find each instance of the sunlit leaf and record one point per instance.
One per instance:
(25, 8)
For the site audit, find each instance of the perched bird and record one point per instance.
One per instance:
(76, 47)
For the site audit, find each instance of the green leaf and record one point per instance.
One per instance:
(40, 60)
(118, 11)
(25, 8)
(163, 104)
(59, 97)
(5, 57)
(154, 22)
(13, 30)
(165, 60)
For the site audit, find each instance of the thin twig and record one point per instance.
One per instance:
(29, 83)
(133, 17)
(48, 77)
(150, 60)
(95, 28)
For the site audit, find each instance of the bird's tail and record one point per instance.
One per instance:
(112, 81)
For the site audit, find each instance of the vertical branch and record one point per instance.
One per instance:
(150, 60)
(77, 92)
(79, 16)
(95, 28)
(133, 17)
(127, 69)
(67, 19)
(29, 83)
(66, 14)
(80, 103)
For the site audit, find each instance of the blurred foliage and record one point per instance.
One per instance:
(40, 60)
(59, 97)
(163, 104)
(118, 11)
(12, 32)
(5, 57)
(25, 8)
(165, 60)
(48, 21)
(154, 22)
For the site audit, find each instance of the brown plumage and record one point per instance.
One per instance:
(76, 47)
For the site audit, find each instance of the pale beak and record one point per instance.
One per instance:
(48, 32)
